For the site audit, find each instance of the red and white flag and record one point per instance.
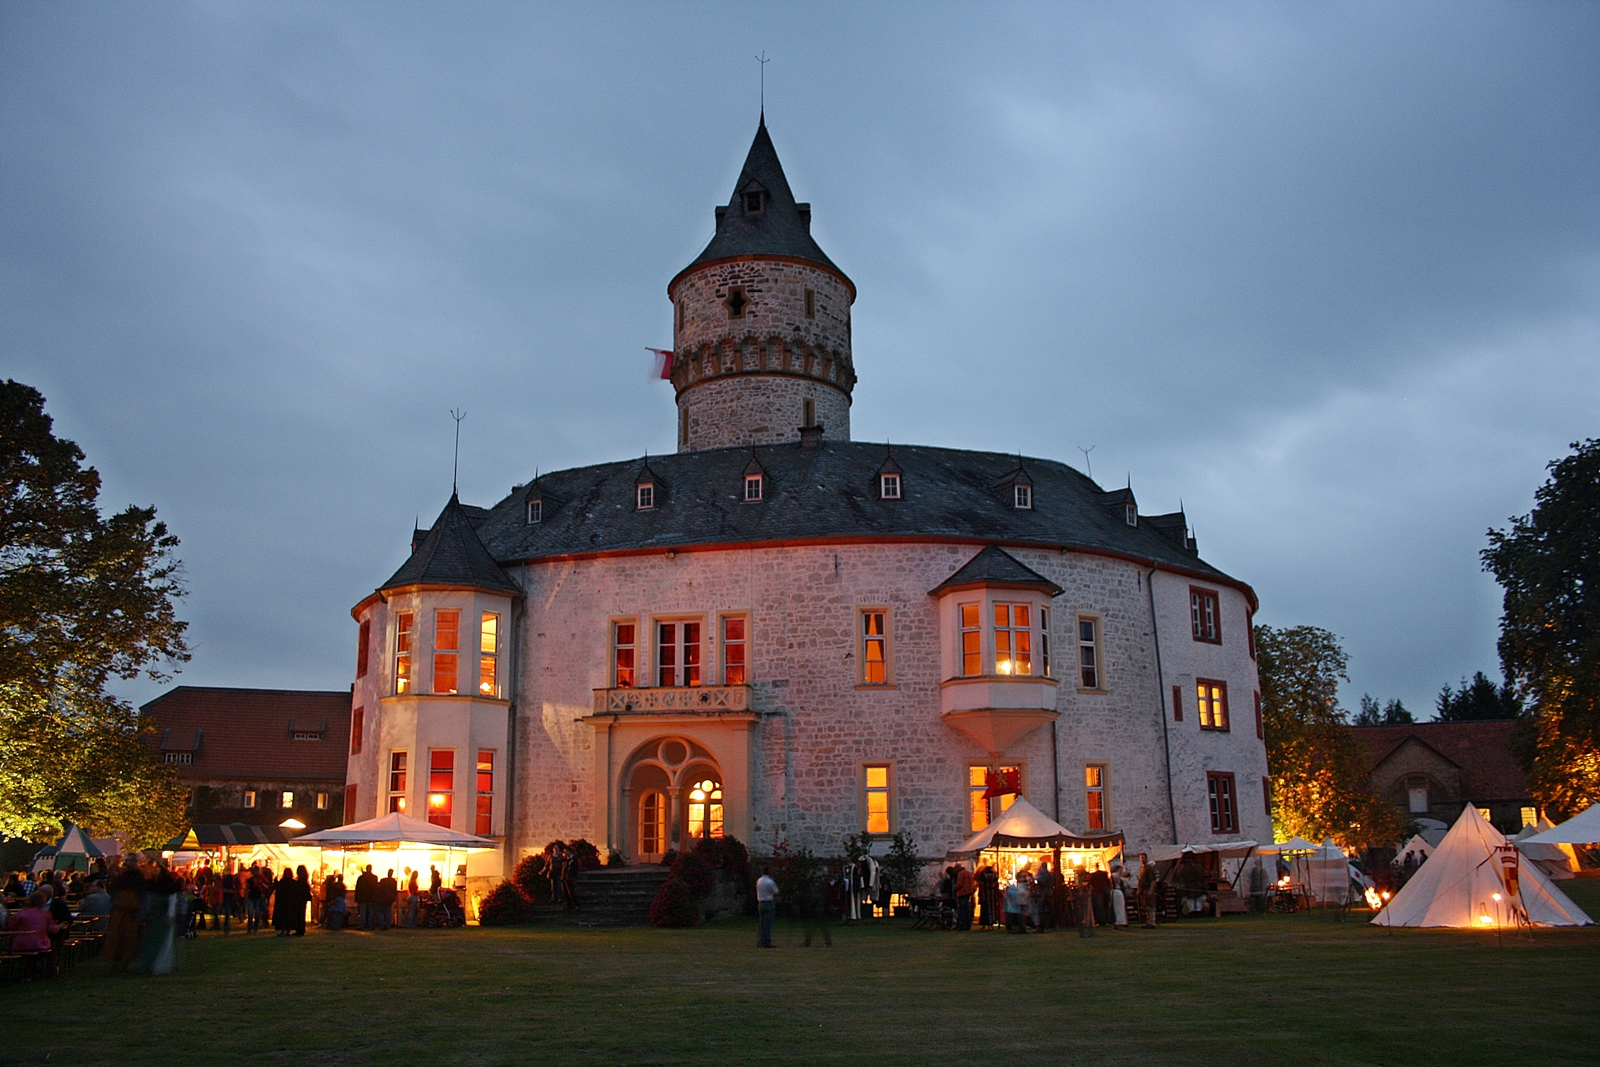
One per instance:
(663, 361)
(1002, 783)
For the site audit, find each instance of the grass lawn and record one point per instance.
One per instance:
(1290, 989)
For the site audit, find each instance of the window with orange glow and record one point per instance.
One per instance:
(403, 623)
(678, 654)
(1094, 785)
(446, 649)
(876, 794)
(489, 655)
(734, 649)
(653, 823)
(981, 810)
(1212, 699)
(622, 652)
(397, 782)
(705, 809)
(1013, 639)
(441, 785)
(971, 641)
(484, 823)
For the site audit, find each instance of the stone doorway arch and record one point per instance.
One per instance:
(672, 792)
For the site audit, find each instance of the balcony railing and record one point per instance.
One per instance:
(704, 699)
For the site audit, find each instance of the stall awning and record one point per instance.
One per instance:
(226, 835)
(1228, 850)
(395, 829)
(1024, 826)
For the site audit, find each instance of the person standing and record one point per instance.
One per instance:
(122, 930)
(284, 890)
(1119, 898)
(569, 877)
(388, 893)
(413, 900)
(767, 904)
(367, 898)
(965, 887)
(988, 895)
(302, 897)
(1149, 890)
(157, 949)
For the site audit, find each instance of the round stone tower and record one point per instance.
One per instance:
(761, 322)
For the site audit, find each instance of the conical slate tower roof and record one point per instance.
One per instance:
(452, 554)
(779, 228)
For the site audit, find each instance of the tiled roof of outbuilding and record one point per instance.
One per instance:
(249, 733)
(829, 491)
(452, 554)
(781, 228)
(1481, 749)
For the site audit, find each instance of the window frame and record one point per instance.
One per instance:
(1206, 705)
(1043, 611)
(1199, 597)
(811, 303)
(1100, 789)
(644, 496)
(1022, 496)
(1094, 645)
(535, 511)
(996, 805)
(1223, 803)
(363, 644)
(757, 482)
(962, 630)
(483, 808)
(489, 662)
(736, 308)
(1014, 653)
(252, 798)
(890, 487)
(398, 780)
(743, 643)
(632, 646)
(446, 809)
(358, 729)
(350, 797)
(679, 669)
(867, 791)
(1261, 728)
(323, 801)
(405, 637)
(865, 639)
(1266, 794)
(446, 655)
(1177, 703)
(286, 800)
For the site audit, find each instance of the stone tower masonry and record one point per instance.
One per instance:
(761, 322)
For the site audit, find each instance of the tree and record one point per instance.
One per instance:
(1319, 769)
(1372, 713)
(83, 599)
(1548, 564)
(1477, 700)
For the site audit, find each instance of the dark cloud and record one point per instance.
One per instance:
(1330, 274)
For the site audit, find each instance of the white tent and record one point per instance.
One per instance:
(1582, 829)
(396, 829)
(1328, 874)
(1556, 861)
(1417, 844)
(1228, 850)
(1459, 884)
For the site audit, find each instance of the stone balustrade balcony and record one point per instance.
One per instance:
(673, 700)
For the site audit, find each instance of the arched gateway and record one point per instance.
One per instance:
(672, 794)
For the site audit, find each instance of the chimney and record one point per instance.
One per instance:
(811, 436)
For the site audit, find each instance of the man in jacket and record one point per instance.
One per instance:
(367, 898)
(388, 893)
(966, 885)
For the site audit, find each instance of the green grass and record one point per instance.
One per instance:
(1289, 989)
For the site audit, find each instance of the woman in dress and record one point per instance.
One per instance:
(284, 892)
(297, 921)
(122, 929)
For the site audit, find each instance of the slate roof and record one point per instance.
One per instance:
(1481, 749)
(826, 492)
(452, 554)
(781, 228)
(249, 733)
(999, 567)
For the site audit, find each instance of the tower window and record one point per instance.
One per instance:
(680, 314)
(753, 202)
(736, 303)
(811, 304)
(646, 498)
(808, 412)
(889, 486)
(752, 488)
(1022, 496)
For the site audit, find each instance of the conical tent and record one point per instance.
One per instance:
(1417, 844)
(1557, 861)
(1464, 884)
(72, 853)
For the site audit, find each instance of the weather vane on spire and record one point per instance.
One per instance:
(455, 464)
(763, 60)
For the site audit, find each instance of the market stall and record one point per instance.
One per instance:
(232, 846)
(1023, 836)
(394, 841)
(72, 853)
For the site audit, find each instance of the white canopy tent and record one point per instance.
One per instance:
(1417, 844)
(1024, 834)
(1557, 861)
(403, 842)
(1582, 829)
(1466, 883)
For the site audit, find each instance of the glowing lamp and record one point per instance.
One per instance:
(437, 801)
(486, 688)
(292, 824)
(697, 794)
(1485, 920)
(1003, 667)
(1497, 898)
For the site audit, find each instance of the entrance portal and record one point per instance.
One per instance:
(673, 797)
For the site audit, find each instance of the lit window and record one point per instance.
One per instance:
(488, 655)
(358, 724)
(705, 809)
(286, 800)
(971, 642)
(677, 654)
(874, 648)
(484, 823)
(441, 785)
(752, 488)
(622, 649)
(1088, 653)
(249, 798)
(1022, 496)
(1530, 816)
(363, 639)
(982, 810)
(876, 808)
(1211, 699)
(646, 498)
(1224, 814)
(811, 304)
(889, 486)
(322, 802)
(652, 824)
(1485, 813)
(1013, 639)
(1204, 615)
(403, 622)
(397, 782)
(535, 510)
(1094, 785)
(446, 646)
(733, 650)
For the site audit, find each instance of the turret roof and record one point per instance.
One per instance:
(452, 554)
(996, 566)
(780, 228)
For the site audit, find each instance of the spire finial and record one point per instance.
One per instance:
(455, 464)
(763, 60)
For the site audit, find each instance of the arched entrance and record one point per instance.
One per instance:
(672, 795)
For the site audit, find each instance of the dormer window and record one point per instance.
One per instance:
(736, 303)
(535, 510)
(646, 496)
(1022, 496)
(888, 487)
(754, 201)
(1130, 514)
(753, 488)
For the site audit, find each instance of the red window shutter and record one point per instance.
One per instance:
(1266, 794)
(361, 648)
(1177, 703)
(357, 728)
(350, 803)
(1260, 731)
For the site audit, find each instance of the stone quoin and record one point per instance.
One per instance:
(784, 635)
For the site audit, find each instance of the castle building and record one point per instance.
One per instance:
(782, 634)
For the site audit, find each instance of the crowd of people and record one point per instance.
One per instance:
(1038, 898)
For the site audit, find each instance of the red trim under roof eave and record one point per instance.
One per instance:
(908, 539)
(434, 587)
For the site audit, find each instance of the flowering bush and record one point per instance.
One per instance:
(588, 855)
(532, 878)
(695, 871)
(727, 854)
(675, 904)
(506, 905)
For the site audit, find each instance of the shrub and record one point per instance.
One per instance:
(588, 855)
(675, 904)
(506, 905)
(532, 878)
(727, 854)
(616, 859)
(670, 858)
(695, 871)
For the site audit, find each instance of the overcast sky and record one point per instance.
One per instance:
(1329, 274)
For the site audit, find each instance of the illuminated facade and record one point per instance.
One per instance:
(782, 634)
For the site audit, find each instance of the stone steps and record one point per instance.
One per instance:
(609, 896)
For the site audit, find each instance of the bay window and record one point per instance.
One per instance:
(446, 649)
